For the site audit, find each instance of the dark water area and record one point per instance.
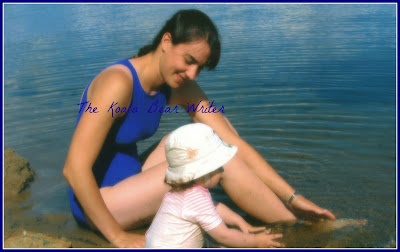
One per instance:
(311, 86)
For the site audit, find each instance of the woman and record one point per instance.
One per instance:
(110, 190)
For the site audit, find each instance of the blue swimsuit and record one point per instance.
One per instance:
(118, 158)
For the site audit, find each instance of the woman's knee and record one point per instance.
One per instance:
(231, 126)
(234, 165)
(154, 155)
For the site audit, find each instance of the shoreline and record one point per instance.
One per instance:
(22, 229)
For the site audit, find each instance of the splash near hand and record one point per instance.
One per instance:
(331, 225)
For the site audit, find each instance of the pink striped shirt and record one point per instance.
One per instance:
(182, 218)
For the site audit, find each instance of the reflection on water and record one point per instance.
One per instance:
(311, 86)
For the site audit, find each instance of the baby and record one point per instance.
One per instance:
(196, 155)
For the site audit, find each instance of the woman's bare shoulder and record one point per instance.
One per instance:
(115, 83)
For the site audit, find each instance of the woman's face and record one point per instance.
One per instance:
(182, 62)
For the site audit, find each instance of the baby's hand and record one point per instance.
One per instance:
(249, 229)
(256, 230)
(267, 240)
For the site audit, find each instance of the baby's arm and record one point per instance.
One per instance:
(234, 238)
(233, 219)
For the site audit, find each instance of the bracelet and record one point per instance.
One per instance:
(292, 197)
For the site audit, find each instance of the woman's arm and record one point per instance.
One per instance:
(112, 85)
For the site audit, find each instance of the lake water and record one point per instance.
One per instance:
(311, 86)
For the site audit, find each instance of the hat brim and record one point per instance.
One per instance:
(202, 166)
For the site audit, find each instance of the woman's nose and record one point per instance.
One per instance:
(192, 72)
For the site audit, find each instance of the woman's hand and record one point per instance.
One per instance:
(304, 207)
(129, 240)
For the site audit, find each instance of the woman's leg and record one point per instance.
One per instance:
(252, 195)
(157, 156)
(134, 201)
(243, 186)
(252, 192)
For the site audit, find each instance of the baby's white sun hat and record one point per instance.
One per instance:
(194, 150)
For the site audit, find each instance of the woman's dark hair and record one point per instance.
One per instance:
(188, 26)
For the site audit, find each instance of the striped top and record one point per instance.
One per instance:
(182, 218)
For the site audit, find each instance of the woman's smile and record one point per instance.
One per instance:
(180, 79)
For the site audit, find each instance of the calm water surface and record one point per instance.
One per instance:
(311, 86)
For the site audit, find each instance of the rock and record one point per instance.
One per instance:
(43, 229)
(35, 240)
(17, 173)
